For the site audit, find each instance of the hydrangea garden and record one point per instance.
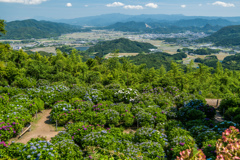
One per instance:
(116, 123)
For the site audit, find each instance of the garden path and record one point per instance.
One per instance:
(213, 102)
(42, 127)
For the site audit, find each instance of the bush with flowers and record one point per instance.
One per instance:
(127, 119)
(102, 139)
(40, 150)
(206, 136)
(209, 149)
(126, 95)
(206, 122)
(10, 91)
(111, 116)
(145, 119)
(4, 99)
(209, 111)
(81, 129)
(146, 134)
(169, 125)
(191, 154)
(152, 150)
(222, 126)
(188, 113)
(180, 143)
(68, 149)
(83, 105)
(229, 146)
(195, 130)
(93, 95)
(177, 131)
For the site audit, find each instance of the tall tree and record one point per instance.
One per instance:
(2, 26)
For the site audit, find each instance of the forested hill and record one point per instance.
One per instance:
(227, 36)
(31, 28)
(128, 26)
(123, 45)
(162, 27)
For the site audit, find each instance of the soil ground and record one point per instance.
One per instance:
(42, 128)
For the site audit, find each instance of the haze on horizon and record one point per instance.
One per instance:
(66, 9)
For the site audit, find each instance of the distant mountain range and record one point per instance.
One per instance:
(227, 36)
(31, 28)
(109, 19)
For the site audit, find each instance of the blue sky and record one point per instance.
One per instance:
(66, 9)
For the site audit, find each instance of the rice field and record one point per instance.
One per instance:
(45, 49)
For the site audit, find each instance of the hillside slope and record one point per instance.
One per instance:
(227, 36)
(31, 28)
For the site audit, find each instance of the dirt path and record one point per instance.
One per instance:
(42, 128)
(213, 102)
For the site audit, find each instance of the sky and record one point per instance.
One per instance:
(67, 9)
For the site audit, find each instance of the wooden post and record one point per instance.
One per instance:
(36, 114)
(56, 125)
(217, 103)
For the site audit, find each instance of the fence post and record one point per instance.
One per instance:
(36, 114)
(56, 125)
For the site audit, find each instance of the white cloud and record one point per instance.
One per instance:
(86, 5)
(223, 4)
(133, 7)
(69, 4)
(152, 5)
(183, 6)
(115, 4)
(200, 5)
(24, 1)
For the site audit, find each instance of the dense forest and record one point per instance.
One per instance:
(123, 45)
(31, 28)
(227, 36)
(22, 70)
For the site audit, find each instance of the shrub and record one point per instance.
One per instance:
(228, 147)
(145, 134)
(152, 150)
(209, 149)
(192, 154)
(145, 119)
